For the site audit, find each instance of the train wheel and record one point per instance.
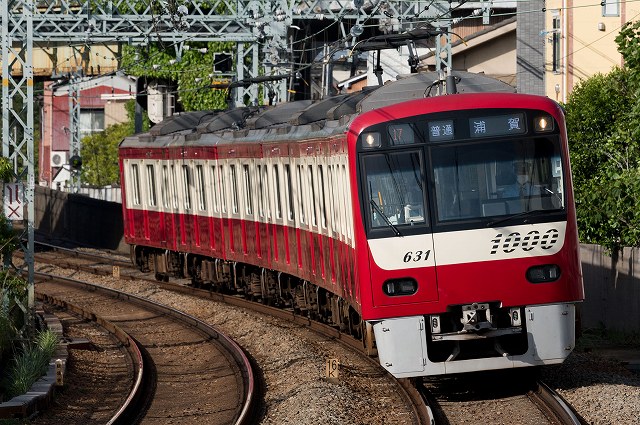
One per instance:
(368, 339)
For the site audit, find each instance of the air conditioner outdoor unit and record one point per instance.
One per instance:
(58, 158)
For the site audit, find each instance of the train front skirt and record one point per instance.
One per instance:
(402, 344)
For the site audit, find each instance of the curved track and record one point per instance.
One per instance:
(513, 396)
(199, 375)
(106, 264)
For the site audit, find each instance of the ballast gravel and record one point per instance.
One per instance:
(292, 360)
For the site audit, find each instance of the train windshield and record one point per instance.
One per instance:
(395, 189)
(497, 178)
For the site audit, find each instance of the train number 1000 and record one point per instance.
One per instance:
(515, 240)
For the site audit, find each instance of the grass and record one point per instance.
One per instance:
(30, 363)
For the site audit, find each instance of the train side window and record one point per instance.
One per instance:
(214, 189)
(164, 188)
(276, 177)
(312, 183)
(223, 186)
(174, 188)
(343, 200)
(200, 188)
(234, 189)
(135, 181)
(186, 186)
(323, 197)
(335, 206)
(348, 218)
(266, 193)
(260, 191)
(289, 183)
(300, 195)
(248, 189)
(151, 185)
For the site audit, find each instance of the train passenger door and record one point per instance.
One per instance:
(398, 227)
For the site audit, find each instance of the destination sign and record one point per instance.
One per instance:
(497, 125)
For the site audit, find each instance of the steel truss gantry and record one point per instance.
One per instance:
(258, 27)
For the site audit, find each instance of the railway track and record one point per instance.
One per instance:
(513, 396)
(101, 264)
(182, 356)
(535, 403)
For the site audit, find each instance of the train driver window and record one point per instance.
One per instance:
(395, 189)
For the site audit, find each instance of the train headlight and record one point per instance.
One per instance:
(543, 274)
(398, 287)
(543, 124)
(371, 140)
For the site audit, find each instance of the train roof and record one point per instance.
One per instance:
(301, 119)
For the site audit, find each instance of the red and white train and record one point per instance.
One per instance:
(440, 230)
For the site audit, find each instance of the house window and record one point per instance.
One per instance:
(611, 8)
(91, 121)
(555, 64)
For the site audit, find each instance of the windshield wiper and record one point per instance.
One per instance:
(386, 219)
(517, 215)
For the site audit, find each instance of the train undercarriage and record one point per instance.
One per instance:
(257, 284)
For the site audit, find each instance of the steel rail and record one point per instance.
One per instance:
(236, 351)
(132, 346)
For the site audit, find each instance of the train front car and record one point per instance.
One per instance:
(469, 223)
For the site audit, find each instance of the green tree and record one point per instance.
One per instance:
(602, 124)
(99, 154)
(99, 151)
(191, 73)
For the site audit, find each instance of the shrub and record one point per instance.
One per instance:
(31, 363)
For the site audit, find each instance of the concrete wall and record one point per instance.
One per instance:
(612, 296)
(78, 218)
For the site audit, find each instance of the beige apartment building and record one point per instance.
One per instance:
(580, 40)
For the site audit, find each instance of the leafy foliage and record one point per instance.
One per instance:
(99, 151)
(31, 363)
(603, 126)
(100, 155)
(191, 72)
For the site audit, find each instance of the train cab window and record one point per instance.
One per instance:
(164, 188)
(151, 185)
(234, 189)
(276, 177)
(135, 180)
(289, 185)
(248, 189)
(186, 186)
(395, 192)
(301, 195)
(473, 181)
(200, 188)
